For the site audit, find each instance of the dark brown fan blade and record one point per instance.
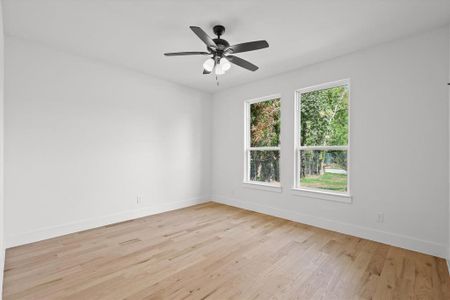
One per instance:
(206, 72)
(203, 36)
(249, 46)
(242, 63)
(186, 53)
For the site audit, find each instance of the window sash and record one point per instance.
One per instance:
(247, 139)
(297, 177)
(297, 130)
(248, 162)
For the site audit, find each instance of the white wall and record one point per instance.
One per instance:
(448, 243)
(399, 142)
(2, 67)
(83, 139)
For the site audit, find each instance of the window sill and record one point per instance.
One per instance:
(330, 196)
(262, 186)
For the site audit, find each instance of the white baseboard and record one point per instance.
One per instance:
(389, 238)
(398, 240)
(55, 231)
(448, 266)
(448, 259)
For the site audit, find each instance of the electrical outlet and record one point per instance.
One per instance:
(139, 199)
(380, 217)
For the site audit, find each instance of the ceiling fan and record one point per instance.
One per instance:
(221, 52)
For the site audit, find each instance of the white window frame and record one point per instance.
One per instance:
(276, 187)
(313, 192)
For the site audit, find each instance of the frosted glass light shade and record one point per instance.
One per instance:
(219, 69)
(208, 65)
(225, 64)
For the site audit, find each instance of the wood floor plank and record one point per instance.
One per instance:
(214, 251)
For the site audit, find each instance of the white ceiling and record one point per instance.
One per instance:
(136, 33)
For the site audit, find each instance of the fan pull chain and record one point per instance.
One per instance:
(217, 80)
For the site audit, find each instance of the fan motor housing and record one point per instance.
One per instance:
(221, 43)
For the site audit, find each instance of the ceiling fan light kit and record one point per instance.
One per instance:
(222, 54)
(208, 65)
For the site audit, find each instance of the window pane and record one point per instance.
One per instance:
(265, 166)
(324, 169)
(265, 123)
(324, 117)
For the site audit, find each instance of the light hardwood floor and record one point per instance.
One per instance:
(213, 251)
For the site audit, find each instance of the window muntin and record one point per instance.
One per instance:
(322, 138)
(262, 142)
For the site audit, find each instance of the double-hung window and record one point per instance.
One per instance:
(262, 141)
(322, 138)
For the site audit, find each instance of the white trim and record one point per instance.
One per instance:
(323, 86)
(262, 186)
(448, 265)
(398, 240)
(247, 144)
(264, 148)
(63, 229)
(345, 148)
(264, 98)
(320, 194)
(298, 147)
